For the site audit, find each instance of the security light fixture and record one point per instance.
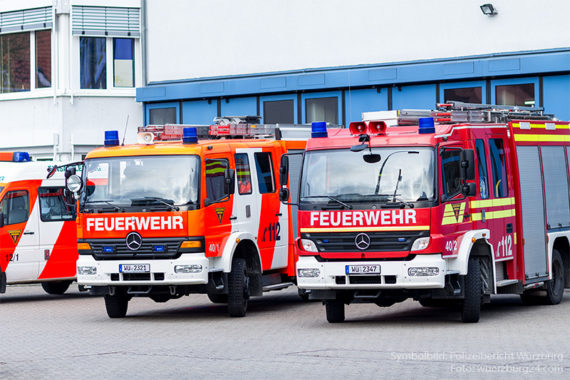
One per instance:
(488, 9)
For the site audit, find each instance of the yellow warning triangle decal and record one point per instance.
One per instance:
(220, 214)
(15, 235)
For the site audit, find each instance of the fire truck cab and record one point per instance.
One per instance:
(37, 228)
(447, 207)
(174, 215)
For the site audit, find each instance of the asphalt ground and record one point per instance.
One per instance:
(282, 337)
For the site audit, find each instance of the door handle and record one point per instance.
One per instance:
(29, 232)
(278, 214)
(509, 228)
(233, 217)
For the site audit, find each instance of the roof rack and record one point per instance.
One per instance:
(459, 112)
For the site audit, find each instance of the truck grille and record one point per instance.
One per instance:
(116, 249)
(379, 241)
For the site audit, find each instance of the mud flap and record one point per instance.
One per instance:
(2, 282)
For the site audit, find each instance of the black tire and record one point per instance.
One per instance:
(471, 307)
(116, 305)
(555, 287)
(56, 287)
(335, 311)
(218, 298)
(238, 289)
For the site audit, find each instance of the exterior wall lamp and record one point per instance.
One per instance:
(488, 10)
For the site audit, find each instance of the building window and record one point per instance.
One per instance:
(14, 62)
(321, 109)
(43, 58)
(278, 111)
(161, 116)
(467, 95)
(515, 95)
(124, 62)
(93, 62)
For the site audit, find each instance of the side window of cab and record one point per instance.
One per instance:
(215, 178)
(15, 207)
(450, 173)
(53, 206)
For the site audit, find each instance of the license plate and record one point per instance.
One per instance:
(362, 269)
(134, 268)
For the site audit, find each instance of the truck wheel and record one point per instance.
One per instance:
(555, 287)
(56, 287)
(218, 298)
(335, 311)
(116, 305)
(238, 289)
(471, 307)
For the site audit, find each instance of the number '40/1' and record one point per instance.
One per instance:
(271, 232)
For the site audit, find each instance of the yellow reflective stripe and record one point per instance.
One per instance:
(492, 202)
(493, 215)
(449, 220)
(543, 126)
(367, 229)
(542, 138)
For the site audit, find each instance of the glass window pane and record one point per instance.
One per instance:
(450, 172)
(243, 173)
(322, 109)
(215, 179)
(264, 167)
(482, 165)
(53, 206)
(123, 62)
(515, 95)
(15, 207)
(93, 62)
(43, 58)
(160, 116)
(278, 111)
(498, 165)
(467, 95)
(15, 62)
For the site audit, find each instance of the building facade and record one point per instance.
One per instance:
(68, 71)
(301, 61)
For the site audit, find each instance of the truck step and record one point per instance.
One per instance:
(506, 283)
(280, 286)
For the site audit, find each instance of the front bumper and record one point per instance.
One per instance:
(161, 271)
(393, 274)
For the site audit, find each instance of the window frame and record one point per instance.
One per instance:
(72, 209)
(225, 197)
(261, 176)
(238, 181)
(276, 98)
(515, 81)
(459, 85)
(5, 216)
(152, 106)
(482, 166)
(444, 193)
(504, 167)
(315, 95)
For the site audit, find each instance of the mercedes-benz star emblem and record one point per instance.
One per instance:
(133, 241)
(362, 241)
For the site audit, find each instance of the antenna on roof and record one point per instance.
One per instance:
(125, 133)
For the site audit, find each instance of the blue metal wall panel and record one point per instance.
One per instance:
(366, 100)
(199, 112)
(239, 107)
(421, 96)
(460, 68)
(556, 91)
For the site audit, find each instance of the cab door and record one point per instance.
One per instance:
(246, 201)
(217, 204)
(19, 236)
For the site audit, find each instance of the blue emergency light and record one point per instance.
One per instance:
(21, 157)
(111, 138)
(189, 135)
(158, 248)
(319, 129)
(426, 125)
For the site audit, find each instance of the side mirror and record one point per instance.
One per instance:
(284, 194)
(51, 171)
(69, 171)
(467, 162)
(284, 171)
(229, 181)
(469, 189)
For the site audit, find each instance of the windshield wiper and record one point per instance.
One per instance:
(166, 202)
(332, 199)
(106, 201)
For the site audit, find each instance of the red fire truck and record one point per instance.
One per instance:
(38, 241)
(173, 215)
(446, 207)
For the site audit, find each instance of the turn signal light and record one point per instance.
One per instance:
(83, 246)
(191, 244)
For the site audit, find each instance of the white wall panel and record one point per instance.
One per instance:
(226, 37)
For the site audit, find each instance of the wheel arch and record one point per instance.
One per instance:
(562, 245)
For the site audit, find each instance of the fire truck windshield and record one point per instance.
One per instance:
(402, 175)
(149, 183)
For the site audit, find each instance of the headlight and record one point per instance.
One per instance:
(309, 245)
(87, 270)
(308, 272)
(420, 243)
(74, 183)
(188, 268)
(423, 271)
